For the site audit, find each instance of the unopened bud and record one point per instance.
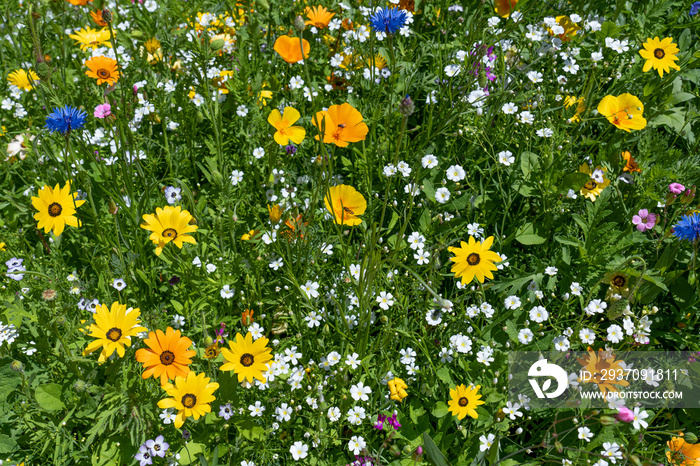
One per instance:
(559, 446)
(407, 107)
(43, 70)
(17, 366)
(299, 23)
(690, 437)
(216, 45)
(607, 420)
(107, 16)
(112, 207)
(79, 385)
(208, 341)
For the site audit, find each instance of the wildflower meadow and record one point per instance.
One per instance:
(257, 232)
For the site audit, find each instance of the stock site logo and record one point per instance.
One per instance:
(542, 368)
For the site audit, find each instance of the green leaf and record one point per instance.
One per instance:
(48, 396)
(250, 430)
(444, 374)
(680, 97)
(528, 236)
(440, 410)
(573, 181)
(428, 189)
(9, 379)
(432, 452)
(188, 453)
(529, 162)
(7, 444)
(424, 220)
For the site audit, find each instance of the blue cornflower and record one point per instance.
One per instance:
(694, 8)
(65, 119)
(688, 228)
(388, 20)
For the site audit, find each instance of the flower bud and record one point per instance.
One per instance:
(216, 45)
(607, 420)
(112, 207)
(690, 437)
(43, 70)
(299, 23)
(407, 107)
(80, 386)
(208, 341)
(17, 366)
(107, 16)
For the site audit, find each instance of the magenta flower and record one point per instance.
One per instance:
(644, 220)
(625, 414)
(103, 110)
(380, 422)
(676, 188)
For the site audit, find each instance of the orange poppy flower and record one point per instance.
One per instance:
(79, 2)
(504, 7)
(247, 317)
(167, 355)
(340, 125)
(103, 69)
(319, 16)
(630, 163)
(289, 48)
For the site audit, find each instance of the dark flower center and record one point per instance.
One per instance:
(114, 334)
(590, 185)
(247, 359)
(659, 53)
(55, 209)
(103, 73)
(473, 259)
(619, 281)
(189, 400)
(167, 358)
(170, 233)
(463, 401)
(156, 447)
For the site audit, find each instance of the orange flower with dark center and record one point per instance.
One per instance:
(319, 16)
(97, 18)
(212, 351)
(598, 366)
(682, 453)
(289, 48)
(167, 355)
(340, 125)
(630, 163)
(103, 69)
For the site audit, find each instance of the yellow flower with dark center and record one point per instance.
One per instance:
(283, 124)
(597, 368)
(169, 224)
(346, 204)
(619, 283)
(191, 397)
(595, 185)
(397, 389)
(56, 208)
(660, 54)
(318, 16)
(474, 259)
(92, 38)
(212, 351)
(104, 69)
(464, 400)
(167, 355)
(23, 79)
(247, 358)
(113, 329)
(624, 111)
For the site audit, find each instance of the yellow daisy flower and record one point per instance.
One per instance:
(56, 208)
(113, 329)
(660, 54)
(169, 224)
(474, 260)
(92, 38)
(593, 186)
(464, 401)
(247, 358)
(23, 79)
(191, 396)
